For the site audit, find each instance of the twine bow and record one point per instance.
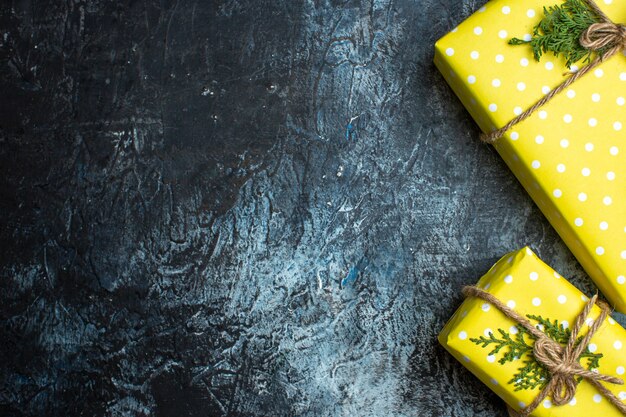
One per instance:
(599, 36)
(604, 35)
(560, 361)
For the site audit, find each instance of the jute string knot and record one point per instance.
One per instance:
(562, 362)
(561, 368)
(606, 36)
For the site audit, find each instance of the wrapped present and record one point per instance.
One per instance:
(526, 363)
(570, 155)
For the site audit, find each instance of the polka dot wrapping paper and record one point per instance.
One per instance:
(526, 284)
(571, 154)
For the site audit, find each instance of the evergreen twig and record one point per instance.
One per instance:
(532, 374)
(560, 30)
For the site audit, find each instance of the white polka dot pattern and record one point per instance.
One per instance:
(529, 286)
(570, 154)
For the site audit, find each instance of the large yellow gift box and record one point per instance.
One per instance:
(532, 288)
(571, 154)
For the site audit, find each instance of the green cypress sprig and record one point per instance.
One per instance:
(530, 376)
(560, 30)
(516, 348)
(520, 347)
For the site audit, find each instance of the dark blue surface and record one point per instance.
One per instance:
(243, 208)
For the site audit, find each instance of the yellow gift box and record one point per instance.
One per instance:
(529, 286)
(571, 154)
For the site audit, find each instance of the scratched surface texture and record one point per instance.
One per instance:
(242, 208)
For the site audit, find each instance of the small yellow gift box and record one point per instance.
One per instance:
(570, 155)
(497, 350)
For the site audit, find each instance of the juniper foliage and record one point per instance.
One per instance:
(520, 347)
(560, 30)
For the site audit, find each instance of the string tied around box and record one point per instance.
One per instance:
(605, 38)
(562, 362)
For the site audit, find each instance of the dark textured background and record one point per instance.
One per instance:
(242, 207)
